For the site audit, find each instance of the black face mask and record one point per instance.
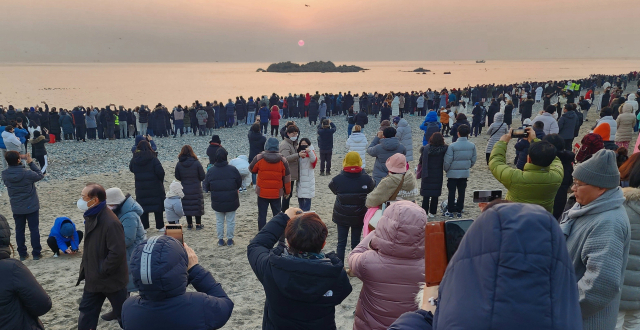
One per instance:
(302, 147)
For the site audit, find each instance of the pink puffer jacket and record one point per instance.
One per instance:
(390, 263)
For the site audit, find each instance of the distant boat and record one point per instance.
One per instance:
(447, 72)
(480, 61)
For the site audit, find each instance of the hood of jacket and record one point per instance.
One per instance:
(400, 231)
(142, 159)
(303, 279)
(570, 115)
(358, 137)
(432, 116)
(130, 206)
(507, 272)
(632, 197)
(159, 268)
(437, 150)
(403, 123)
(187, 161)
(390, 143)
(498, 118)
(272, 156)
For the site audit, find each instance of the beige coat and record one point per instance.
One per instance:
(388, 186)
(625, 121)
(289, 150)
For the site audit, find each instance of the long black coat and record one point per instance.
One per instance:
(351, 191)
(508, 111)
(256, 144)
(149, 178)
(223, 181)
(54, 123)
(432, 170)
(190, 173)
(313, 110)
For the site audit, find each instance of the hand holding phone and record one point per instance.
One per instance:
(193, 258)
(486, 196)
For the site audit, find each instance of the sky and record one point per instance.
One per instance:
(73, 31)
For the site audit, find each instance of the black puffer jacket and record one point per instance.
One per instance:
(223, 181)
(432, 172)
(351, 191)
(22, 299)
(149, 178)
(256, 144)
(190, 173)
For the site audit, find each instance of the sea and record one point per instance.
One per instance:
(130, 84)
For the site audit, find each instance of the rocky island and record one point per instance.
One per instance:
(316, 66)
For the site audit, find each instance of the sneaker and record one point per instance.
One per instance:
(161, 230)
(230, 242)
(189, 226)
(221, 242)
(431, 215)
(199, 227)
(448, 215)
(459, 215)
(55, 255)
(321, 173)
(23, 258)
(36, 257)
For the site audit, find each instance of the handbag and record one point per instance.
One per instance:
(373, 222)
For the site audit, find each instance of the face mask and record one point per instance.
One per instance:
(112, 207)
(302, 147)
(293, 138)
(82, 205)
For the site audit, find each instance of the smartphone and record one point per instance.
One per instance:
(519, 133)
(486, 196)
(454, 231)
(174, 231)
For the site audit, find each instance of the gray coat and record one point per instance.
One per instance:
(91, 118)
(631, 289)
(173, 209)
(567, 125)
(381, 150)
(459, 158)
(403, 133)
(20, 183)
(598, 238)
(496, 131)
(202, 117)
(129, 215)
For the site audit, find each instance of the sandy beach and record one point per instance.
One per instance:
(228, 265)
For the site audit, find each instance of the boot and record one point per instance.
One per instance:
(109, 316)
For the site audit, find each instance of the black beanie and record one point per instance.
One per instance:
(221, 155)
(215, 139)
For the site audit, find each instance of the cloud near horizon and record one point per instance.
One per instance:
(342, 31)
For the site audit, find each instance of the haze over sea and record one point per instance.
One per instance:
(131, 84)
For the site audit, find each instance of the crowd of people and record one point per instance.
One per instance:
(558, 252)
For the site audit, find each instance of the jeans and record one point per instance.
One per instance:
(178, 126)
(453, 185)
(254, 177)
(144, 218)
(33, 219)
(305, 204)
(628, 320)
(202, 129)
(263, 205)
(349, 129)
(91, 304)
(343, 233)
(124, 129)
(263, 128)
(143, 128)
(325, 157)
(53, 243)
(476, 129)
(430, 204)
(231, 223)
(251, 118)
(285, 201)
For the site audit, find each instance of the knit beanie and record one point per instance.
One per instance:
(66, 229)
(352, 162)
(272, 144)
(601, 170)
(604, 130)
(114, 196)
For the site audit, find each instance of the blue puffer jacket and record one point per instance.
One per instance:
(325, 137)
(429, 126)
(511, 271)
(2, 145)
(61, 240)
(129, 214)
(163, 302)
(264, 115)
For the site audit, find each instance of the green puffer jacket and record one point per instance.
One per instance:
(534, 185)
(631, 288)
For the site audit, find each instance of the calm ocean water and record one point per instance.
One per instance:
(131, 84)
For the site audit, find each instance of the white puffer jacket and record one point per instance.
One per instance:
(357, 142)
(403, 133)
(306, 184)
(242, 164)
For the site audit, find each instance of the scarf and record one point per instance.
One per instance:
(96, 209)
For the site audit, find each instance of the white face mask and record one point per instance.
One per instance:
(82, 205)
(293, 138)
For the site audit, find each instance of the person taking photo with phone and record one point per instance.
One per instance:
(539, 180)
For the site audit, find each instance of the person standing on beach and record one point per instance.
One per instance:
(383, 146)
(190, 173)
(289, 150)
(149, 177)
(458, 160)
(202, 117)
(104, 259)
(91, 123)
(325, 143)
(23, 197)
(79, 122)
